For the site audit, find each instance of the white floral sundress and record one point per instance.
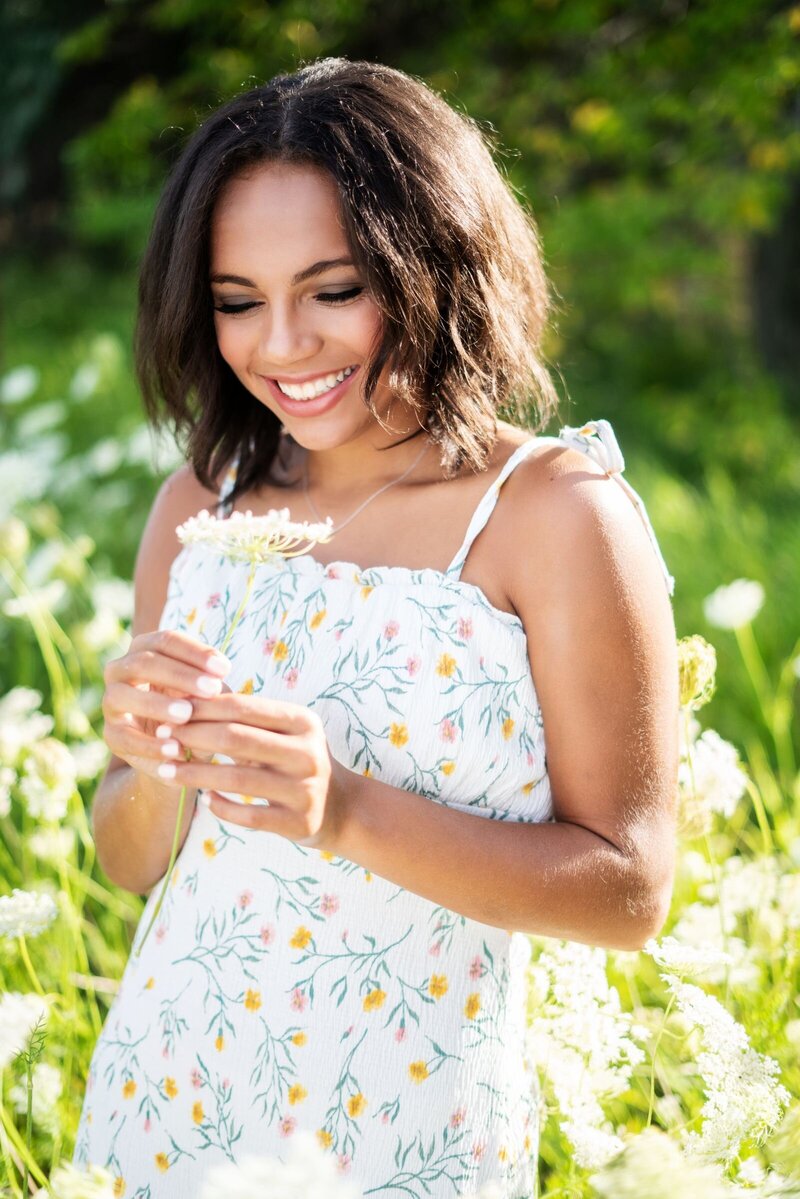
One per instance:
(283, 988)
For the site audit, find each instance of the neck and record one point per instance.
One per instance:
(355, 469)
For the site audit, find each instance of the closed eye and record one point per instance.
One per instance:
(235, 307)
(326, 297)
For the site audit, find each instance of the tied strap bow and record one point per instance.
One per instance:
(597, 439)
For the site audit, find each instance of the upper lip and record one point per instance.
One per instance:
(296, 380)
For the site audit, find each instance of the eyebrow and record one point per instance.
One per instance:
(316, 268)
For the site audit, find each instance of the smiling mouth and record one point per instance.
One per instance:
(312, 391)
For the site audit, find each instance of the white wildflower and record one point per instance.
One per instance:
(20, 724)
(40, 420)
(593, 1147)
(734, 605)
(19, 384)
(116, 594)
(679, 958)
(104, 457)
(745, 885)
(751, 1172)
(47, 1087)
(100, 633)
(308, 1170)
(743, 1096)
(709, 780)
(15, 540)
(8, 777)
(19, 1015)
(247, 538)
(52, 844)
(649, 1167)
(706, 926)
(84, 382)
(90, 758)
(49, 779)
(38, 601)
(70, 1182)
(26, 913)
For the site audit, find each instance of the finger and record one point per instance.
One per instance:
(257, 710)
(150, 705)
(160, 660)
(175, 644)
(244, 743)
(258, 782)
(273, 819)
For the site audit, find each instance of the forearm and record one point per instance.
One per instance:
(133, 823)
(555, 879)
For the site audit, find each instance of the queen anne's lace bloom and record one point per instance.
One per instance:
(247, 538)
(679, 958)
(20, 724)
(308, 1171)
(68, 1182)
(19, 1015)
(48, 780)
(652, 1165)
(26, 913)
(710, 776)
(734, 605)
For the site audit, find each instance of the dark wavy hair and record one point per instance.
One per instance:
(448, 253)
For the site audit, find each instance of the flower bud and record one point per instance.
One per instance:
(15, 540)
(697, 664)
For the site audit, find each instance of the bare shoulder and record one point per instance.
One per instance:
(180, 496)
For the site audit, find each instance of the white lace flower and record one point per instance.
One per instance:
(247, 538)
(52, 844)
(308, 1171)
(743, 1097)
(70, 1182)
(47, 1085)
(711, 775)
(49, 779)
(19, 1015)
(650, 1166)
(90, 758)
(40, 600)
(20, 724)
(18, 384)
(734, 605)
(677, 957)
(26, 913)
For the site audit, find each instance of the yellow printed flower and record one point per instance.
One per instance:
(175, 876)
(418, 1071)
(367, 772)
(162, 1161)
(365, 591)
(281, 651)
(398, 734)
(219, 1044)
(367, 876)
(437, 987)
(317, 618)
(508, 727)
(446, 665)
(209, 848)
(247, 688)
(299, 1038)
(197, 1112)
(119, 1187)
(502, 1154)
(326, 854)
(373, 1000)
(324, 1137)
(447, 767)
(301, 938)
(129, 1089)
(297, 1093)
(356, 1105)
(527, 788)
(285, 614)
(170, 1088)
(472, 1006)
(151, 982)
(526, 1144)
(190, 619)
(252, 1000)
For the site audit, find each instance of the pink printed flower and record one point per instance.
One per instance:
(343, 1163)
(267, 934)
(213, 600)
(391, 629)
(400, 1033)
(465, 627)
(197, 1079)
(329, 904)
(435, 949)
(161, 932)
(245, 899)
(165, 1051)
(413, 664)
(291, 677)
(529, 758)
(457, 1118)
(299, 1000)
(332, 573)
(269, 645)
(447, 730)
(147, 1124)
(385, 1118)
(344, 934)
(480, 660)
(478, 1150)
(226, 1082)
(287, 1126)
(476, 968)
(337, 636)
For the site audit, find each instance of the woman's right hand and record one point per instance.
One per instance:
(148, 694)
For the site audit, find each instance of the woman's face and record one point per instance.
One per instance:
(292, 313)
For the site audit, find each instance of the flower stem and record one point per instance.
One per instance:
(653, 1061)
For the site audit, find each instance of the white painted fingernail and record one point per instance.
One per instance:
(170, 749)
(181, 709)
(208, 686)
(167, 770)
(218, 664)
(164, 730)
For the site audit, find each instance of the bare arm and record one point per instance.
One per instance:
(133, 812)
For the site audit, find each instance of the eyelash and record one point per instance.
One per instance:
(331, 297)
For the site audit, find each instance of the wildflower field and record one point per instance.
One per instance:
(677, 1062)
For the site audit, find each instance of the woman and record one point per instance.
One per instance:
(465, 728)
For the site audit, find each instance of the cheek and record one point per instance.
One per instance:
(231, 342)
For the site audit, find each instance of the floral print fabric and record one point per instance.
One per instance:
(284, 988)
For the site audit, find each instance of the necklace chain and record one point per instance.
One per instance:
(369, 497)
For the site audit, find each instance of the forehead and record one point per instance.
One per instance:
(280, 216)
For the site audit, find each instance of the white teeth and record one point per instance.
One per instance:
(310, 391)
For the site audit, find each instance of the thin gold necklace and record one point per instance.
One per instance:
(369, 497)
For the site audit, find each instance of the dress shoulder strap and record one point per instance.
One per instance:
(596, 439)
(228, 484)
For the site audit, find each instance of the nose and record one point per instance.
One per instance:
(285, 338)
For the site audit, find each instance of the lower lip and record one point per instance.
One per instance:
(314, 407)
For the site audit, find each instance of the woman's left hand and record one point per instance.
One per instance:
(280, 754)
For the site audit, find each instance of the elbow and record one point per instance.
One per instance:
(648, 914)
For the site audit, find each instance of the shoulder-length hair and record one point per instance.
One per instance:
(448, 253)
